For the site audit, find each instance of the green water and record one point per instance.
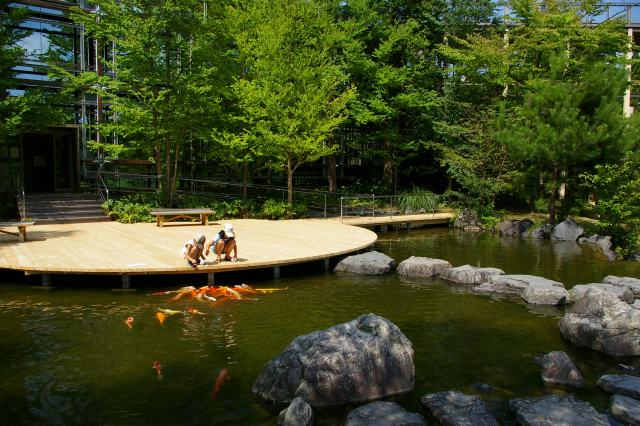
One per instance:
(68, 358)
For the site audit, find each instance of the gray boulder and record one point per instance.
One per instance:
(514, 228)
(632, 283)
(532, 289)
(468, 219)
(622, 384)
(567, 231)
(454, 408)
(298, 413)
(361, 360)
(543, 232)
(604, 242)
(422, 266)
(468, 274)
(383, 413)
(600, 321)
(559, 370)
(371, 263)
(556, 410)
(622, 293)
(625, 409)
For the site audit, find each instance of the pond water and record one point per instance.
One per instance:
(68, 357)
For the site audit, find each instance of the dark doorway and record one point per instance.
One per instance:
(38, 161)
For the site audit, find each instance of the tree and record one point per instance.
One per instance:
(162, 85)
(294, 91)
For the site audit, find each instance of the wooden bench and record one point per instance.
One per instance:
(170, 215)
(22, 229)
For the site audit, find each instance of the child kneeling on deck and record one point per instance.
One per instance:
(192, 251)
(224, 242)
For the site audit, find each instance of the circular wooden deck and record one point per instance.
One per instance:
(113, 248)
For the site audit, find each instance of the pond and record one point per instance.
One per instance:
(69, 358)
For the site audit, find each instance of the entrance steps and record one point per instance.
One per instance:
(64, 208)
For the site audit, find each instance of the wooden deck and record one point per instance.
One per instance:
(415, 219)
(112, 248)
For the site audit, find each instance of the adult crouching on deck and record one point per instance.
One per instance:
(224, 242)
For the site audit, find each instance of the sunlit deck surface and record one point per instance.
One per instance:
(113, 248)
(397, 220)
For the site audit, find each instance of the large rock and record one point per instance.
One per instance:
(603, 242)
(422, 267)
(625, 409)
(298, 413)
(371, 263)
(360, 360)
(532, 289)
(514, 228)
(559, 370)
(383, 413)
(622, 384)
(567, 231)
(468, 274)
(543, 232)
(454, 408)
(632, 283)
(468, 219)
(556, 411)
(600, 321)
(622, 293)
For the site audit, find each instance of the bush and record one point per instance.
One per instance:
(418, 200)
(274, 210)
(133, 208)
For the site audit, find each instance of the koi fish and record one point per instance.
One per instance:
(270, 290)
(229, 292)
(161, 317)
(129, 322)
(222, 377)
(243, 288)
(156, 366)
(194, 311)
(209, 298)
(169, 312)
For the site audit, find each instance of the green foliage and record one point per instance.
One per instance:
(274, 210)
(133, 208)
(418, 200)
(617, 189)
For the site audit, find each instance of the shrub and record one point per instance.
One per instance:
(418, 200)
(272, 209)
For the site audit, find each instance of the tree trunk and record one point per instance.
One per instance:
(552, 197)
(245, 178)
(172, 189)
(290, 171)
(167, 162)
(157, 152)
(331, 168)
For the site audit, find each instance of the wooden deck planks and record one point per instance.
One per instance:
(115, 248)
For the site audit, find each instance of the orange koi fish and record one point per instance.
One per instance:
(194, 311)
(244, 289)
(129, 322)
(161, 317)
(156, 366)
(222, 377)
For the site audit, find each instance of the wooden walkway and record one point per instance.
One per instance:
(112, 248)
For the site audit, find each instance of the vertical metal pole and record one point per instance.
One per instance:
(276, 272)
(46, 280)
(341, 208)
(210, 279)
(373, 205)
(126, 281)
(325, 206)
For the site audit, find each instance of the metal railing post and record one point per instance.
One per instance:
(341, 208)
(325, 206)
(373, 205)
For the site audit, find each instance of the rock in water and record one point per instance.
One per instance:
(556, 410)
(600, 321)
(514, 228)
(621, 292)
(422, 267)
(298, 413)
(567, 231)
(468, 274)
(623, 384)
(559, 370)
(625, 409)
(360, 360)
(632, 284)
(454, 408)
(381, 413)
(468, 219)
(372, 263)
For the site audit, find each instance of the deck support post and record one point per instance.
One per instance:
(210, 279)
(126, 281)
(276, 272)
(46, 280)
(326, 264)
